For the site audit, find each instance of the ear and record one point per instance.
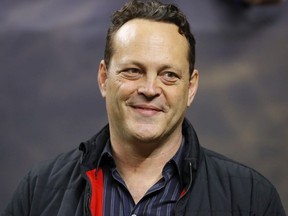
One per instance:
(102, 78)
(193, 86)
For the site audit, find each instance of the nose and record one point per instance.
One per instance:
(149, 87)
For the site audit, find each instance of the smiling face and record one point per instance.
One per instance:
(147, 85)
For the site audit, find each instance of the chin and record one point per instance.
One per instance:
(146, 136)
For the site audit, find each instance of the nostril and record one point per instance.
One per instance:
(149, 91)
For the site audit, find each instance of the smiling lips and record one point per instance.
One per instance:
(146, 109)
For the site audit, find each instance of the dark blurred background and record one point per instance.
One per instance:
(49, 56)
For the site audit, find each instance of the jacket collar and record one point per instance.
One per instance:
(92, 149)
(193, 155)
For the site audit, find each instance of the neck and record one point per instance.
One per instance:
(140, 156)
(136, 162)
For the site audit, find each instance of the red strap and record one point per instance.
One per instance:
(96, 202)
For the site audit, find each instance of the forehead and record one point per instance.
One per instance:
(151, 38)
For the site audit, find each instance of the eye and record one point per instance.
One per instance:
(131, 73)
(169, 77)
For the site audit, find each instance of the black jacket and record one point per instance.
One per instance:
(215, 185)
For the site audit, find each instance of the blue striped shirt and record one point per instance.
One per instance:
(159, 200)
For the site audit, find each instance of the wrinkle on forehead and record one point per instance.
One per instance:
(145, 35)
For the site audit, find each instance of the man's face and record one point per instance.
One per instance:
(147, 85)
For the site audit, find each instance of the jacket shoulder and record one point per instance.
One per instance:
(242, 185)
(49, 188)
(59, 171)
(223, 167)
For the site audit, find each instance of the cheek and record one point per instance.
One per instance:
(177, 96)
(121, 90)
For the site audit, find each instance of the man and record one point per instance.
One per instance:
(147, 161)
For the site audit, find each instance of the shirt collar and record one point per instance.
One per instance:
(178, 157)
(106, 157)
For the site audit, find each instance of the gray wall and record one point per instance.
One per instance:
(49, 55)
